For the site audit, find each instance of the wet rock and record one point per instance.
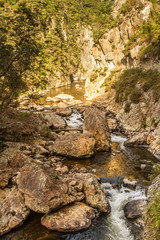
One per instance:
(95, 123)
(72, 218)
(129, 184)
(44, 189)
(73, 145)
(65, 112)
(13, 210)
(50, 119)
(134, 209)
(139, 139)
(94, 194)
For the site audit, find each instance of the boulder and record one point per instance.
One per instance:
(44, 189)
(11, 160)
(95, 122)
(134, 209)
(138, 139)
(64, 112)
(73, 145)
(112, 124)
(72, 218)
(94, 194)
(13, 210)
(50, 119)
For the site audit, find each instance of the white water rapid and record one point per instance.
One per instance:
(75, 120)
(116, 226)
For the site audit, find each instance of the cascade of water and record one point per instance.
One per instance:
(119, 139)
(75, 120)
(116, 229)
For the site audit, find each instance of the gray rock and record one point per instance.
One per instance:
(134, 209)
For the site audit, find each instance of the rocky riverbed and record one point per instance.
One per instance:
(46, 173)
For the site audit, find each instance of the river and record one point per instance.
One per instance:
(119, 162)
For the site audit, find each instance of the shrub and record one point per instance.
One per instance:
(125, 85)
(135, 95)
(127, 107)
(93, 76)
(144, 124)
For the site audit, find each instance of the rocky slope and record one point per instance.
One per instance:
(127, 46)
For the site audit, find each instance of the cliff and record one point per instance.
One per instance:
(124, 65)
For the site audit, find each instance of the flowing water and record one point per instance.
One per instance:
(118, 163)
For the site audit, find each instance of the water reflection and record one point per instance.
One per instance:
(116, 163)
(76, 89)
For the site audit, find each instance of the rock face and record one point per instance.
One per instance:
(13, 210)
(134, 209)
(94, 194)
(95, 123)
(44, 190)
(73, 145)
(50, 119)
(72, 218)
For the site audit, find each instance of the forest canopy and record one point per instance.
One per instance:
(38, 39)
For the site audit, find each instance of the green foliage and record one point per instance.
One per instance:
(23, 115)
(38, 40)
(148, 33)
(135, 95)
(109, 81)
(127, 107)
(155, 122)
(155, 171)
(129, 5)
(125, 85)
(93, 76)
(154, 215)
(144, 124)
(45, 131)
